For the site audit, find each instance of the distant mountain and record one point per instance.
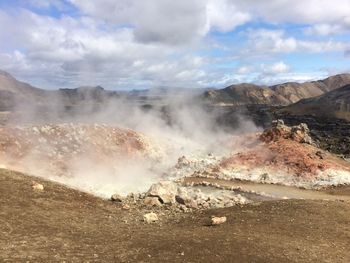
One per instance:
(10, 84)
(14, 92)
(281, 94)
(18, 95)
(244, 94)
(333, 104)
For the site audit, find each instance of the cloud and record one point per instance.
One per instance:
(276, 68)
(297, 11)
(138, 44)
(264, 41)
(244, 70)
(58, 4)
(347, 53)
(324, 30)
(77, 49)
(167, 21)
(223, 15)
(273, 73)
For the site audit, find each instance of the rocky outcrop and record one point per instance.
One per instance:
(299, 133)
(285, 155)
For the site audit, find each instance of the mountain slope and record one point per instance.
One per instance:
(17, 95)
(281, 94)
(334, 104)
(14, 93)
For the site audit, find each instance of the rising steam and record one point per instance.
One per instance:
(151, 139)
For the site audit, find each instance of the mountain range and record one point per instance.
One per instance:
(277, 95)
(329, 97)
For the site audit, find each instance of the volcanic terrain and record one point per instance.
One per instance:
(192, 177)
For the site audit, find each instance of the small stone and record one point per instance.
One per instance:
(190, 203)
(150, 218)
(126, 207)
(218, 220)
(117, 198)
(183, 208)
(180, 200)
(182, 162)
(36, 186)
(152, 201)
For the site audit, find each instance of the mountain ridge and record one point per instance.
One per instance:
(277, 95)
(14, 92)
(333, 104)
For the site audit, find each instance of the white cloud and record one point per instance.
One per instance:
(80, 53)
(244, 70)
(224, 16)
(167, 21)
(263, 41)
(297, 11)
(276, 68)
(45, 4)
(324, 29)
(140, 43)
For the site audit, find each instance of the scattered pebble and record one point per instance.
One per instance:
(150, 218)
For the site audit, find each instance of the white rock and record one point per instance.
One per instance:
(150, 217)
(165, 191)
(218, 220)
(37, 186)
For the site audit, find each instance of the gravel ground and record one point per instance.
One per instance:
(60, 224)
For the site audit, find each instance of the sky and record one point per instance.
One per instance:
(139, 44)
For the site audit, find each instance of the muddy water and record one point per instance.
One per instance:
(273, 191)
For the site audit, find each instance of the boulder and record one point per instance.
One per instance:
(165, 191)
(301, 133)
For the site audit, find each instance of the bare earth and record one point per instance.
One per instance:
(61, 224)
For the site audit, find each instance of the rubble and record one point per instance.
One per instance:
(218, 220)
(150, 217)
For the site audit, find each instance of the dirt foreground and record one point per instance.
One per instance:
(60, 224)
